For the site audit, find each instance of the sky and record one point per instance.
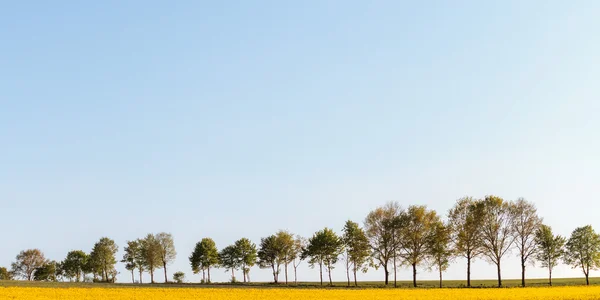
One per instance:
(230, 119)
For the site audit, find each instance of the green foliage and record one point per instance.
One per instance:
(269, 255)
(357, 247)
(73, 266)
(381, 228)
(246, 254)
(5, 274)
(150, 250)
(179, 277)
(133, 258)
(204, 256)
(550, 248)
(103, 259)
(324, 248)
(465, 219)
(439, 249)
(27, 261)
(583, 250)
(416, 228)
(228, 259)
(46, 272)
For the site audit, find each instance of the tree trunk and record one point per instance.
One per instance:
(414, 274)
(523, 272)
(348, 275)
(355, 282)
(208, 275)
(295, 275)
(329, 273)
(232, 275)
(151, 275)
(387, 274)
(550, 276)
(321, 272)
(468, 271)
(499, 274)
(132, 277)
(286, 274)
(165, 266)
(440, 278)
(587, 278)
(140, 275)
(274, 273)
(395, 284)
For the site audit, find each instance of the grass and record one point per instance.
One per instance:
(363, 284)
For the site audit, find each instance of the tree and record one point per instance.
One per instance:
(179, 277)
(27, 261)
(465, 220)
(150, 249)
(550, 248)
(47, 272)
(497, 230)
(5, 274)
(358, 250)
(583, 250)
(416, 230)
(525, 223)
(300, 245)
(269, 255)
(74, 265)
(439, 249)
(285, 240)
(133, 258)
(166, 250)
(103, 257)
(246, 255)
(324, 248)
(204, 257)
(228, 260)
(380, 228)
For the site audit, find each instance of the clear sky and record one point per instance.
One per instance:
(230, 119)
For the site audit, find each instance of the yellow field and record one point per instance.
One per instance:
(308, 294)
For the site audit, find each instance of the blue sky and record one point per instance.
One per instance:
(239, 118)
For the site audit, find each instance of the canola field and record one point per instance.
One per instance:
(22, 293)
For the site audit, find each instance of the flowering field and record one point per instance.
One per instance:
(304, 294)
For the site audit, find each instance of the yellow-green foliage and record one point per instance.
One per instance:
(556, 293)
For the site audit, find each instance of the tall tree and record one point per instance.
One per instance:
(439, 249)
(132, 258)
(228, 260)
(497, 230)
(204, 257)
(583, 250)
(166, 250)
(380, 227)
(300, 245)
(358, 250)
(269, 255)
(47, 272)
(74, 265)
(103, 256)
(416, 230)
(150, 250)
(465, 221)
(525, 223)
(550, 248)
(324, 249)
(246, 254)
(286, 254)
(27, 261)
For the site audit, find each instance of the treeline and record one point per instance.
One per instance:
(391, 236)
